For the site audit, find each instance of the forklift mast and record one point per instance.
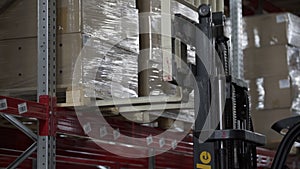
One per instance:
(232, 144)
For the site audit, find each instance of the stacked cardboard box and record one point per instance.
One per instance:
(271, 48)
(109, 27)
(100, 34)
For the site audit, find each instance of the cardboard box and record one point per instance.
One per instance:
(272, 29)
(271, 92)
(106, 19)
(20, 19)
(19, 62)
(101, 67)
(263, 121)
(267, 61)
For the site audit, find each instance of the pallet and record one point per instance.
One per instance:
(133, 109)
(30, 93)
(131, 105)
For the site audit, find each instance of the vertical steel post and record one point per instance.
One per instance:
(166, 40)
(52, 82)
(43, 44)
(47, 81)
(145, 44)
(52, 49)
(151, 159)
(236, 38)
(144, 57)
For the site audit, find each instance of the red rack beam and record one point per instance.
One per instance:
(24, 108)
(76, 151)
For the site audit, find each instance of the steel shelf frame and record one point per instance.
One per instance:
(10, 107)
(44, 109)
(47, 81)
(85, 152)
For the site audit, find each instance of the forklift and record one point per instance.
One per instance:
(232, 143)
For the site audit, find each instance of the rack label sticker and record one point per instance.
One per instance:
(174, 144)
(87, 128)
(281, 18)
(149, 140)
(3, 104)
(103, 131)
(162, 142)
(285, 83)
(116, 134)
(22, 108)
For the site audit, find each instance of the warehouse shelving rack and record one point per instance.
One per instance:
(11, 107)
(43, 110)
(46, 112)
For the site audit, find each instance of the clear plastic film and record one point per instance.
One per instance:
(271, 29)
(279, 91)
(108, 71)
(271, 93)
(113, 21)
(109, 60)
(275, 78)
(115, 40)
(110, 23)
(112, 28)
(294, 72)
(261, 93)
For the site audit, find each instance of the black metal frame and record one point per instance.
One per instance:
(233, 144)
(293, 126)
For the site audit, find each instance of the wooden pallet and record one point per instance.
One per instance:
(30, 93)
(133, 109)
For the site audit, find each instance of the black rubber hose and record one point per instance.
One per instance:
(285, 147)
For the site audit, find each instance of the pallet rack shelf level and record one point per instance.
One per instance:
(43, 110)
(11, 107)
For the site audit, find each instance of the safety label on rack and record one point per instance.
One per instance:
(87, 128)
(3, 104)
(149, 140)
(116, 134)
(103, 132)
(174, 144)
(22, 108)
(162, 142)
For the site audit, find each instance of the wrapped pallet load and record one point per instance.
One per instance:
(101, 23)
(271, 62)
(99, 37)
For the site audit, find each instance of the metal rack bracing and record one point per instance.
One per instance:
(44, 140)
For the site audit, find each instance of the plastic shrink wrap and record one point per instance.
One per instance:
(107, 28)
(271, 48)
(104, 22)
(294, 72)
(270, 91)
(117, 69)
(109, 63)
(272, 29)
